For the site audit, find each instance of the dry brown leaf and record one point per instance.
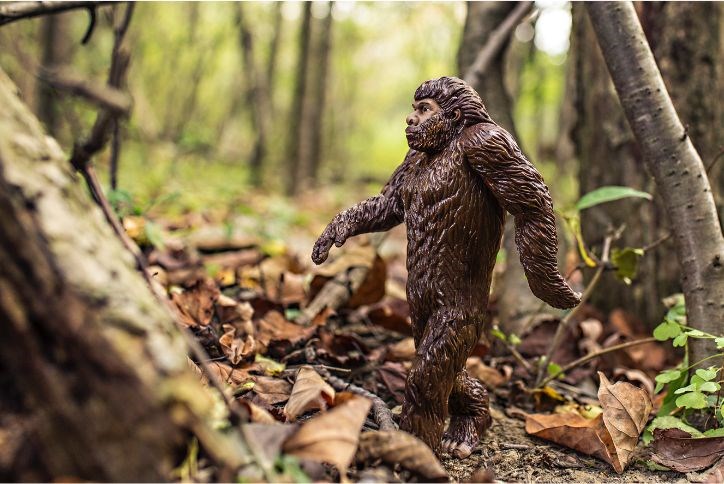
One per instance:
(310, 392)
(273, 330)
(626, 410)
(331, 436)
(573, 431)
(490, 376)
(257, 414)
(678, 450)
(231, 375)
(266, 440)
(196, 303)
(229, 311)
(235, 348)
(398, 447)
(403, 350)
(270, 391)
(391, 313)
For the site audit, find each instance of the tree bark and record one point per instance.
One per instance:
(690, 60)
(516, 303)
(671, 157)
(96, 368)
(298, 113)
(319, 95)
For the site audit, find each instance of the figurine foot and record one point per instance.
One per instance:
(463, 435)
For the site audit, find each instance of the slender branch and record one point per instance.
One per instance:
(383, 415)
(496, 42)
(657, 242)
(591, 356)
(14, 11)
(106, 97)
(566, 321)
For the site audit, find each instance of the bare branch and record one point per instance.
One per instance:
(106, 97)
(496, 42)
(13, 11)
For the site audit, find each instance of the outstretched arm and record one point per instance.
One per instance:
(376, 214)
(520, 189)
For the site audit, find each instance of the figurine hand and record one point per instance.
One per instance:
(336, 234)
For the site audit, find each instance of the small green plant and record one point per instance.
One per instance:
(688, 393)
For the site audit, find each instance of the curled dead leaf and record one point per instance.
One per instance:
(257, 414)
(234, 347)
(678, 450)
(626, 410)
(310, 392)
(196, 303)
(490, 376)
(331, 436)
(403, 350)
(398, 447)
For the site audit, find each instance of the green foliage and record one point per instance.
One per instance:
(686, 392)
(608, 194)
(555, 369)
(627, 262)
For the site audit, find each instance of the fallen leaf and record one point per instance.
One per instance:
(278, 336)
(270, 391)
(266, 440)
(236, 348)
(228, 374)
(398, 447)
(196, 303)
(331, 436)
(626, 410)
(394, 377)
(679, 451)
(257, 414)
(392, 314)
(310, 392)
(489, 376)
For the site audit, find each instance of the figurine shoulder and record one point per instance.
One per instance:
(482, 135)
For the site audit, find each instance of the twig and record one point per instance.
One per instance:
(657, 242)
(14, 11)
(713, 162)
(496, 42)
(566, 321)
(106, 97)
(382, 414)
(595, 354)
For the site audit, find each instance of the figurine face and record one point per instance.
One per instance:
(428, 128)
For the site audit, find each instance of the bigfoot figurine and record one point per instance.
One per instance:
(461, 172)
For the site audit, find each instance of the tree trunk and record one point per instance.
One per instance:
(55, 53)
(256, 98)
(271, 67)
(671, 157)
(516, 303)
(319, 94)
(298, 113)
(688, 57)
(95, 368)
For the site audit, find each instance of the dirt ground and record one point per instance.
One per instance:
(515, 456)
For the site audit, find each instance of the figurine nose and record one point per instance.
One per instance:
(411, 120)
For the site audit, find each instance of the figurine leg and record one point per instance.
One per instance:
(441, 353)
(469, 416)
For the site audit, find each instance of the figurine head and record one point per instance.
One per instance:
(443, 107)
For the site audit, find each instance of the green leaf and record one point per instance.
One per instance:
(554, 368)
(498, 334)
(695, 333)
(715, 432)
(667, 330)
(680, 340)
(689, 388)
(626, 262)
(271, 367)
(719, 343)
(692, 400)
(708, 374)
(154, 234)
(668, 376)
(668, 422)
(609, 194)
(709, 387)
(514, 339)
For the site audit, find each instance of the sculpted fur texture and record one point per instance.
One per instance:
(461, 174)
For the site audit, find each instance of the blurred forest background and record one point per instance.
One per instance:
(239, 106)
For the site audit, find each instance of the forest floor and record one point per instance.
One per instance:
(247, 298)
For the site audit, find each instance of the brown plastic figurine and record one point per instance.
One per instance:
(461, 172)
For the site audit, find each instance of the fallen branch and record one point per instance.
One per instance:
(496, 42)
(382, 414)
(14, 11)
(591, 356)
(338, 290)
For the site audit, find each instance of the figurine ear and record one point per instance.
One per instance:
(457, 115)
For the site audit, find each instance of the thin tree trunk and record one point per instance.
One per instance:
(271, 68)
(54, 54)
(516, 302)
(319, 95)
(95, 367)
(673, 160)
(256, 96)
(298, 115)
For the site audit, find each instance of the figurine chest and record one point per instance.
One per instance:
(441, 177)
